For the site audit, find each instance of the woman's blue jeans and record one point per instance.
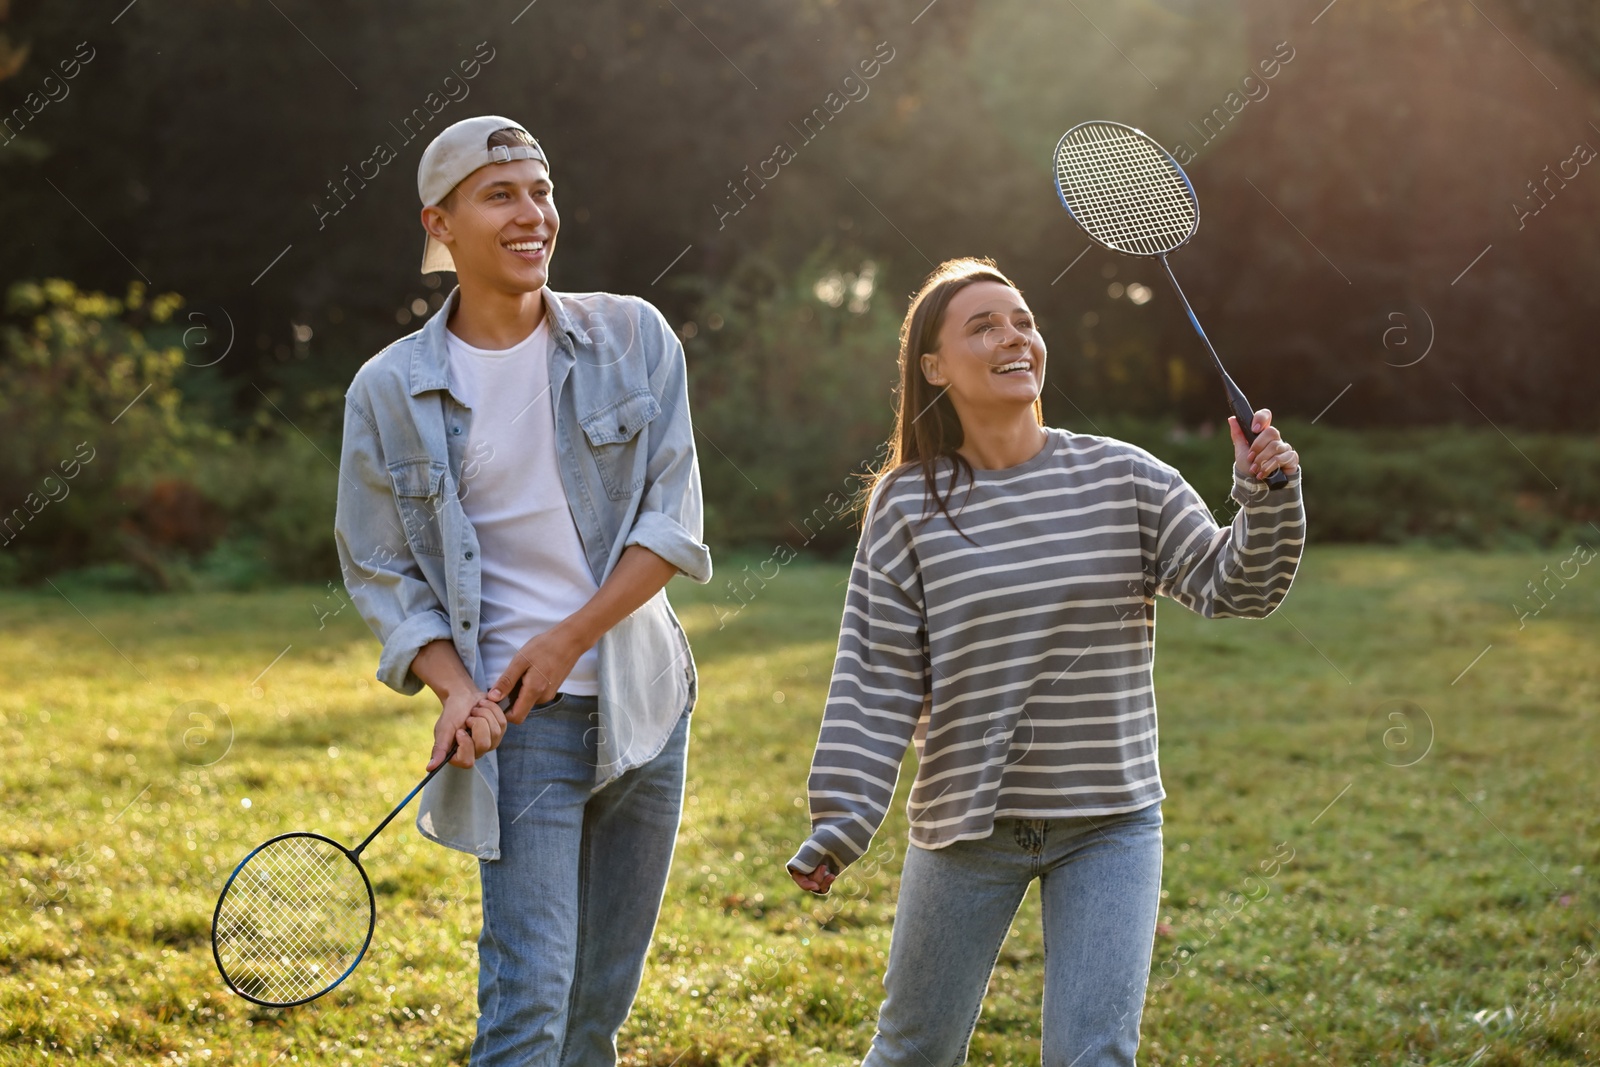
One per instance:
(1100, 884)
(569, 908)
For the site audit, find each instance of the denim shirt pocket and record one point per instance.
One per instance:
(613, 433)
(418, 489)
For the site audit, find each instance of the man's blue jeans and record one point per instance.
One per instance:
(1100, 884)
(569, 908)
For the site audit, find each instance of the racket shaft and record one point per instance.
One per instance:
(1236, 398)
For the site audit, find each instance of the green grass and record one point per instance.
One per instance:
(1437, 913)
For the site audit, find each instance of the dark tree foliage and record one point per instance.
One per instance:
(201, 146)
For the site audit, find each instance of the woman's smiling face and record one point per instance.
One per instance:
(990, 352)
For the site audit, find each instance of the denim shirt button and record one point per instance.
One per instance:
(466, 624)
(469, 553)
(455, 430)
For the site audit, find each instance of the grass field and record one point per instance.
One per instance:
(1381, 833)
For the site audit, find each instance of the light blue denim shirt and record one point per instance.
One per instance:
(410, 557)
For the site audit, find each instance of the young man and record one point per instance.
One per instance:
(518, 483)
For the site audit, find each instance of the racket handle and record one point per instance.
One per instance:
(511, 697)
(1241, 411)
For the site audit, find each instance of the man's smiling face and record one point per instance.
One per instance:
(500, 225)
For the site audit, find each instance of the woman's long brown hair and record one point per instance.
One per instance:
(927, 426)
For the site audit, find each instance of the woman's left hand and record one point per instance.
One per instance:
(1268, 452)
(816, 881)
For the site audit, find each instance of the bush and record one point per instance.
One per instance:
(1443, 485)
(791, 376)
(106, 474)
(277, 494)
(98, 464)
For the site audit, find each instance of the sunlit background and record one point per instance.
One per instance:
(209, 219)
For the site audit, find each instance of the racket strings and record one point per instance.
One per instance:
(1126, 187)
(1124, 209)
(1149, 228)
(293, 921)
(1124, 191)
(1127, 199)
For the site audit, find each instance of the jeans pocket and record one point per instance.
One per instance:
(548, 704)
(534, 730)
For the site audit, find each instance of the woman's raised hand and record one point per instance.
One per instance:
(1268, 452)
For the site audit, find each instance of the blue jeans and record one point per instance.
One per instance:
(569, 908)
(1100, 883)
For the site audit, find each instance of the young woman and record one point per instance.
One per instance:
(1001, 614)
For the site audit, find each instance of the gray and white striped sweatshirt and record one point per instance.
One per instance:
(1021, 663)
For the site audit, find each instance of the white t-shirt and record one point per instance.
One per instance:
(534, 569)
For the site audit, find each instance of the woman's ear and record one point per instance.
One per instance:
(929, 362)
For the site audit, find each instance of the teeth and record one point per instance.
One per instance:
(1020, 364)
(525, 246)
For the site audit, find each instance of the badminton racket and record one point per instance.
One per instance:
(297, 914)
(1129, 195)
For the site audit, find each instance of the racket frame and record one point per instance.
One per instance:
(1193, 198)
(354, 856)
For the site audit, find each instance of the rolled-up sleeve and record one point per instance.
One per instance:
(670, 521)
(380, 573)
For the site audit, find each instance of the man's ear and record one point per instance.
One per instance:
(436, 221)
(929, 362)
